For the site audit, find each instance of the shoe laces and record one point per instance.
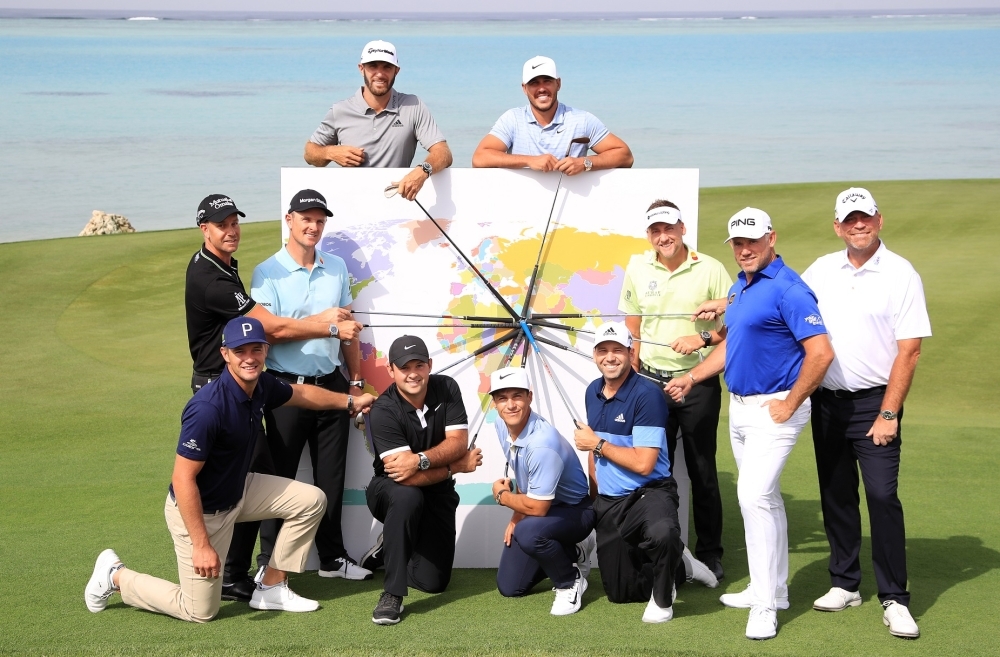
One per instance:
(758, 612)
(569, 595)
(388, 601)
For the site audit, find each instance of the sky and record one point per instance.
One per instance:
(518, 6)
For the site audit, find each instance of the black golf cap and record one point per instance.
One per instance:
(406, 348)
(308, 199)
(215, 208)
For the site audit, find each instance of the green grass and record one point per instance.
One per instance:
(96, 371)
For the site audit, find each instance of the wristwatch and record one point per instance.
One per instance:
(889, 415)
(587, 164)
(598, 450)
(350, 405)
(707, 337)
(334, 331)
(425, 462)
(357, 383)
(428, 169)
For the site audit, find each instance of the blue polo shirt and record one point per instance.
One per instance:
(519, 130)
(219, 426)
(545, 464)
(635, 417)
(767, 320)
(288, 289)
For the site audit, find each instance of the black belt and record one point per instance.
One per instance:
(855, 394)
(211, 376)
(663, 375)
(311, 380)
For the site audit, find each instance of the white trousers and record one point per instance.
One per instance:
(761, 448)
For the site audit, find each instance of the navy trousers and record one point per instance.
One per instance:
(839, 427)
(544, 546)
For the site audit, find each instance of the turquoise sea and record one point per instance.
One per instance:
(144, 118)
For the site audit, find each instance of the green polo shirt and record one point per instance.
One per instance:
(651, 288)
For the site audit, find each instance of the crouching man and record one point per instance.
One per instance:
(549, 534)
(211, 490)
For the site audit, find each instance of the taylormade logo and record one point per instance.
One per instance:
(374, 50)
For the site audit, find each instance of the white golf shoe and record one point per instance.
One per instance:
(899, 621)
(697, 571)
(837, 599)
(762, 624)
(281, 598)
(654, 613)
(345, 568)
(583, 551)
(742, 600)
(568, 601)
(101, 586)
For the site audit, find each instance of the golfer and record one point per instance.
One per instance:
(420, 432)
(211, 489)
(298, 281)
(663, 286)
(379, 126)
(775, 353)
(873, 302)
(537, 135)
(638, 535)
(549, 533)
(213, 295)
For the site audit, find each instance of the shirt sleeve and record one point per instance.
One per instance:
(425, 128)
(650, 420)
(326, 133)
(628, 302)
(911, 320)
(800, 312)
(278, 391)
(199, 428)
(262, 290)
(504, 128)
(455, 416)
(721, 282)
(388, 435)
(544, 470)
(596, 130)
(228, 298)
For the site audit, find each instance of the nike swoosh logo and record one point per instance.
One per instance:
(559, 129)
(438, 406)
(504, 376)
(536, 66)
(410, 347)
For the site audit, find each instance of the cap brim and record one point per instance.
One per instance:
(221, 216)
(403, 360)
(240, 343)
(325, 209)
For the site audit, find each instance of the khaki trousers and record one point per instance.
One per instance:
(197, 598)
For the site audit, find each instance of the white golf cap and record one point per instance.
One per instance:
(664, 214)
(855, 199)
(379, 51)
(536, 66)
(615, 332)
(750, 223)
(509, 377)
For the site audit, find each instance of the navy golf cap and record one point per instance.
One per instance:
(406, 348)
(308, 199)
(215, 208)
(243, 330)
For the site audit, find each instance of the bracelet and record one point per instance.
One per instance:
(691, 376)
(499, 495)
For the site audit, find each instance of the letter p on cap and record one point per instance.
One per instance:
(247, 327)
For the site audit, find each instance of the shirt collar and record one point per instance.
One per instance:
(689, 262)
(558, 119)
(229, 383)
(365, 108)
(223, 267)
(529, 429)
(874, 263)
(624, 390)
(286, 260)
(770, 271)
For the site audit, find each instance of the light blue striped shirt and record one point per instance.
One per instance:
(288, 289)
(519, 130)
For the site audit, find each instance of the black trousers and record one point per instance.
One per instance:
(418, 537)
(289, 430)
(244, 533)
(697, 419)
(639, 543)
(839, 427)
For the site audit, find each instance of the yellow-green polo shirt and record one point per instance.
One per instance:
(651, 288)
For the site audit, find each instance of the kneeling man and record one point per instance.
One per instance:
(420, 431)
(212, 490)
(552, 508)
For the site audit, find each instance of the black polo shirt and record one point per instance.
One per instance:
(213, 295)
(219, 426)
(397, 426)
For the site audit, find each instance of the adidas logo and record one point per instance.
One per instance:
(620, 418)
(611, 330)
(397, 124)
(191, 444)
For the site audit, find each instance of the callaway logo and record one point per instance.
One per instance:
(397, 124)
(191, 444)
(854, 196)
(221, 203)
(815, 320)
(388, 52)
(504, 376)
(620, 418)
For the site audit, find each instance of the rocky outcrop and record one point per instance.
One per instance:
(102, 223)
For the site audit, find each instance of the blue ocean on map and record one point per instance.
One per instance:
(145, 117)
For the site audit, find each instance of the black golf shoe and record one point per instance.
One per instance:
(240, 590)
(388, 609)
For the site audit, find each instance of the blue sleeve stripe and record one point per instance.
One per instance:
(649, 437)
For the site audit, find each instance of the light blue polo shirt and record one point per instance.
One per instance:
(545, 464)
(519, 130)
(635, 417)
(287, 289)
(767, 320)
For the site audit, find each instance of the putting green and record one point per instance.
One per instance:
(97, 371)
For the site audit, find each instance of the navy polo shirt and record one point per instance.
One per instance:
(219, 426)
(635, 417)
(767, 320)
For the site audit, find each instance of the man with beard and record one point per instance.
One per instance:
(537, 135)
(379, 126)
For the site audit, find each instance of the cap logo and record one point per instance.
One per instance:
(504, 376)
(611, 331)
(747, 221)
(246, 328)
(410, 347)
(201, 214)
(221, 202)
(853, 196)
(374, 50)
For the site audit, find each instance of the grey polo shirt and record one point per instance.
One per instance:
(389, 137)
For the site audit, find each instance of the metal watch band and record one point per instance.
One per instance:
(428, 169)
(357, 383)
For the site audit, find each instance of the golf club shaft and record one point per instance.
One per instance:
(486, 347)
(571, 329)
(548, 370)
(509, 356)
(468, 318)
(597, 315)
(507, 325)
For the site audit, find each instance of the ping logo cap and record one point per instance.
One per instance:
(243, 330)
(308, 199)
(853, 200)
(406, 348)
(509, 377)
(215, 208)
(614, 332)
(750, 223)
(379, 51)
(536, 66)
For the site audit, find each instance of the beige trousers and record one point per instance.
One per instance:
(197, 598)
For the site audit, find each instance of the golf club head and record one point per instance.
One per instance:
(576, 140)
(391, 191)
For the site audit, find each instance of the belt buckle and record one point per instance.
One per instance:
(300, 380)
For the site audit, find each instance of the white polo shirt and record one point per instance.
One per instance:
(866, 310)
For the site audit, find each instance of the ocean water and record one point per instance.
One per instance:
(144, 118)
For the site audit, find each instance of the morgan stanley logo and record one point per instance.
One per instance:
(815, 320)
(223, 202)
(309, 200)
(191, 444)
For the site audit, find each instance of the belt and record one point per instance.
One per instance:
(664, 375)
(207, 512)
(211, 376)
(855, 394)
(312, 380)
